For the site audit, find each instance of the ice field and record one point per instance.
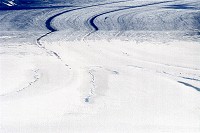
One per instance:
(100, 66)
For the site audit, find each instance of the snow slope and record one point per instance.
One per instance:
(100, 66)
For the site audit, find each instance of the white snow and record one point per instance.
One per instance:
(139, 72)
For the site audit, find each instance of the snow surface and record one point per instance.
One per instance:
(100, 66)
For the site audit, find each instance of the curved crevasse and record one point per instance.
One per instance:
(85, 86)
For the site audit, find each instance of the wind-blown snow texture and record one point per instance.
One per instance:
(99, 66)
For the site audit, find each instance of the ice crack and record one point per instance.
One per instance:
(36, 78)
(92, 89)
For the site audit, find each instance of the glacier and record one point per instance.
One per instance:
(99, 66)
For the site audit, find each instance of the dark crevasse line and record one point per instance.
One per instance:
(36, 78)
(49, 20)
(181, 82)
(189, 85)
(191, 79)
(91, 21)
(188, 78)
(38, 39)
(166, 73)
(92, 89)
(53, 29)
(50, 52)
